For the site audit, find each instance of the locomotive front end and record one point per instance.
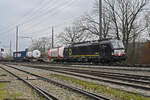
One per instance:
(118, 50)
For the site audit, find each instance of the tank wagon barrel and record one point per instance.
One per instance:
(56, 53)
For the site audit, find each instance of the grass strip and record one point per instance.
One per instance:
(5, 94)
(105, 90)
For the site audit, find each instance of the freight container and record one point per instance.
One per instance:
(21, 55)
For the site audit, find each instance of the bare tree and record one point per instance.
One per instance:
(121, 19)
(125, 16)
(73, 34)
(91, 23)
(147, 19)
(42, 44)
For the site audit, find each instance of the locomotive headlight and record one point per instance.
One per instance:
(112, 53)
(118, 52)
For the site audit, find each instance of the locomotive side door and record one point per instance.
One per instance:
(105, 51)
(102, 50)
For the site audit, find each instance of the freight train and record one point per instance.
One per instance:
(27, 55)
(99, 51)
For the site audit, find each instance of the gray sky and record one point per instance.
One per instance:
(36, 17)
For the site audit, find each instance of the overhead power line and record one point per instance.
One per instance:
(33, 10)
(51, 10)
(53, 13)
(38, 10)
(12, 26)
(38, 31)
(56, 25)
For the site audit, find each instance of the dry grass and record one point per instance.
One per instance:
(113, 93)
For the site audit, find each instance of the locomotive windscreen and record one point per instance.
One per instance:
(117, 44)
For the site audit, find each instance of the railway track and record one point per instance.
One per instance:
(114, 75)
(96, 65)
(111, 75)
(135, 81)
(40, 91)
(125, 67)
(121, 67)
(114, 82)
(92, 64)
(93, 96)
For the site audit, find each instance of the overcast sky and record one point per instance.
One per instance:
(36, 17)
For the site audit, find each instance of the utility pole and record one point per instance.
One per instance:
(10, 48)
(17, 39)
(100, 19)
(52, 37)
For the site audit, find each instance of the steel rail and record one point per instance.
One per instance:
(114, 75)
(142, 87)
(108, 81)
(88, 94)
(100, 73)
(41, 92)
(108, 76)
(124, 67)
(142, 77)
(3, 81)
(131, 76)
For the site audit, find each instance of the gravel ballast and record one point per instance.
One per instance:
(60, 93)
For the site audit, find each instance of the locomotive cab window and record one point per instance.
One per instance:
(117, 44)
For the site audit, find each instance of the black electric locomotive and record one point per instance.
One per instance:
(109, 50)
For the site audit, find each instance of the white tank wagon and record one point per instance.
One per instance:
(36, 54)
(33, 54)
(29, 54)
(56, 53)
